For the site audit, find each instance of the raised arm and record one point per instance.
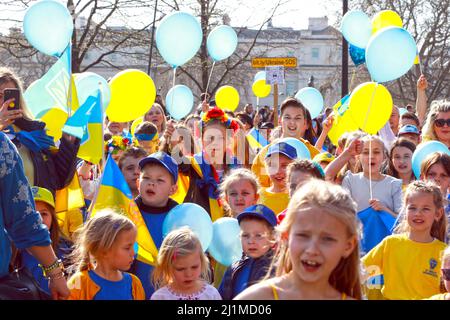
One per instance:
(353, 149)
(327, 125)
(421, 102)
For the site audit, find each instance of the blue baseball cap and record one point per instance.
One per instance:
(409, 128)
(163, 159)
(259, 211)
(283, 148)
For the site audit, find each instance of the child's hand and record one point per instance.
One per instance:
(377, 205)
(170, 128)
(328, 123)
(422, 83)
(355, 147)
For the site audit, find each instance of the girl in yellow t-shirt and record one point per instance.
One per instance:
(410, 260)
(318, 256)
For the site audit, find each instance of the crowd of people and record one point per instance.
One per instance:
(301, 220)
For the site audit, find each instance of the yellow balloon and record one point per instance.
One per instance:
(370, 106)
(261, 89)
(386, 18)
(343, 122)
(132, 94)
(55, 119)
(227, 98)
(135, 124)
(417, 61)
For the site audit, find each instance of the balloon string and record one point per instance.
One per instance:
(370, 169)
(173, 93)
(257, 103)
(370, 106)
(209, 79)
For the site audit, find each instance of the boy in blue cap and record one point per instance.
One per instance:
(411, 133)
(278, 157)
(257, 225)
(157, 182)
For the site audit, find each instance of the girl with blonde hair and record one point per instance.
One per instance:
(318, 257)
(104, 249)
(182, 269)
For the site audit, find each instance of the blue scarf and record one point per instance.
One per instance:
(36, 140)
(209, 174)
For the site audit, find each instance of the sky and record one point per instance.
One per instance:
(249, 13)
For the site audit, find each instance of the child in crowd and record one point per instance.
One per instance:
(445, 273)
(146, 137)
(240, 190)
(208, 168)
(157, 182)
(400, 161)
(108, 240)
(129, 166)
(418, 245)
(182, 269)
(319, 256)
(298, 173)
(386, 190)
(257, 225)
(278, 157)
(294, 124)
(45, 205)
(116, 128)
(409, 118)
(411, 133)
(324, 159)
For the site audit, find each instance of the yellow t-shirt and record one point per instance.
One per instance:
(277, 202)
(411, 269)
(70, 221)
(259, 167)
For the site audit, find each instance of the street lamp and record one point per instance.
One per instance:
(344, 86)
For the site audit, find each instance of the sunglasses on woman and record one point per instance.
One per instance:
(446, 274)
(441, 122)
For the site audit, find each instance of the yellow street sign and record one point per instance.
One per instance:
(287, 62)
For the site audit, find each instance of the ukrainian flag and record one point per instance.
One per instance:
(91, 147)
(53, 88)
(115, 194)
(256, 140)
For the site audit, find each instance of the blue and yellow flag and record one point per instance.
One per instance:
(115, 194)
(91, 147)
(256, 140)
(53, 88)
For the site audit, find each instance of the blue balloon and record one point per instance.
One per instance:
(259, 75)
(221, 42)
(87, 84)
(423, 151)
(226, 246)
(390, 54)
(192, 216)
(312, 99)
(302, 150)
(358, 55)
(179, 101)
(356, 28)
(48, 27)
(178, 38)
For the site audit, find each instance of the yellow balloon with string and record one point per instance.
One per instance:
(384, 19)
(227, 98)
(370, 106)
(260, 88)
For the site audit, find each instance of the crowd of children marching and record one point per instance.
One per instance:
(301, 220)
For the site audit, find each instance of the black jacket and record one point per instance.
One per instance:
(52, 171)
(259, 268)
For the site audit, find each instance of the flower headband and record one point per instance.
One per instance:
(218, 114)
(116, 144)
